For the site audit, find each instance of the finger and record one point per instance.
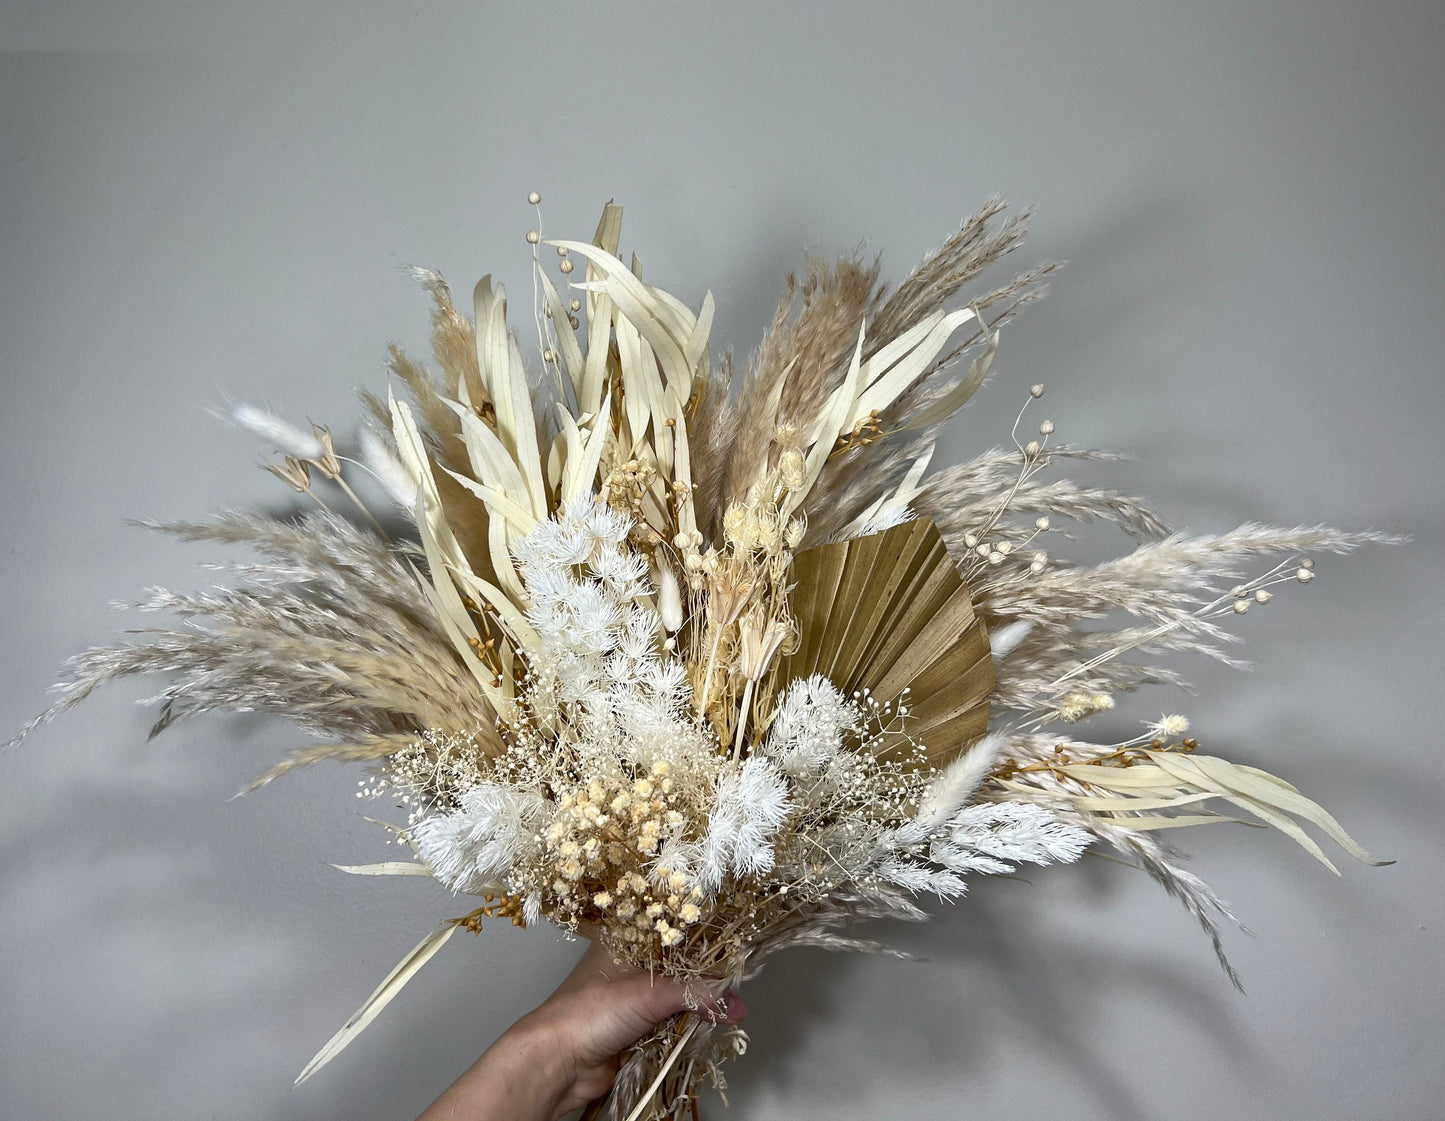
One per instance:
(654, 998)
(723, 1008)
(606, 1017)
(596, 964)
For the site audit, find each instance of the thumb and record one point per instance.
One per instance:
(650, 999)
(616, 1014)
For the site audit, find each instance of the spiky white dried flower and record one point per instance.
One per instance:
(811, 724)
(752, 803)
(991, 836)
(475, 848)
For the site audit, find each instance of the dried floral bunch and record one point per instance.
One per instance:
(704, 665)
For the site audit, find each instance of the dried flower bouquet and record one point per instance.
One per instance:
(705, 665)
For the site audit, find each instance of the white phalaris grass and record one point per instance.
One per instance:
(282, 435)
(388, 472)
(957, 783)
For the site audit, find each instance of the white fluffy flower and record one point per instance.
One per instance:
(992, 836)
(812, 720)
(953, 787)
(625, 573)
(752, 804)
(1002, 642)
(918, 878)
(600, 672)
(388, 471)
(600, 521)
(476, 846)
(1169, 726)
(285, 436)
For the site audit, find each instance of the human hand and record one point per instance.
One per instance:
(565, 1053)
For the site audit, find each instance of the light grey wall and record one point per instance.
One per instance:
(198, 199)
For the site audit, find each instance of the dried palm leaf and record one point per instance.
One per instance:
(888, 613)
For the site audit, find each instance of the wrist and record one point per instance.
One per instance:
(533, 1069)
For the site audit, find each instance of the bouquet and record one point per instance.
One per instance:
(703, 664)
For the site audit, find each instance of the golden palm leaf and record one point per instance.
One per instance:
(889, 612)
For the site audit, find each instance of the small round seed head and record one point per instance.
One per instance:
(533, 237)
(534, 198)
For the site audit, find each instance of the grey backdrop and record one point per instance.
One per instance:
(199, 199)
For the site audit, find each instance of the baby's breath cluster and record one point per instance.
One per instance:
(430, 773)
(601, 851)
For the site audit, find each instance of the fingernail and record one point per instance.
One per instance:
(734, 1009)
